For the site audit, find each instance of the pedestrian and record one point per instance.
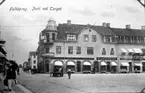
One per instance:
(69, 73)
(9, 77)
(15, 68)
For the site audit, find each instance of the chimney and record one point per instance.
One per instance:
(128, 26)
(69, 22)
(104, 24)
(108, 24)
(143, 28)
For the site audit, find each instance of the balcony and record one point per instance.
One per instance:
(48, 42)
(49, 54)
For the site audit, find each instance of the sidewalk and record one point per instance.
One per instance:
(16, 89)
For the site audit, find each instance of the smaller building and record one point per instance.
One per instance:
(33, 60)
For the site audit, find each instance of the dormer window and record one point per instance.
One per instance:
(71, 37)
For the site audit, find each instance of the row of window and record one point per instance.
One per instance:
(86, 37)
(90, 50)
(124, 39)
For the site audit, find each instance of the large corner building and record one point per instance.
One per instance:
(87, 48)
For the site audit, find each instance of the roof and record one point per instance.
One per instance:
(76, 29)
(32, 53)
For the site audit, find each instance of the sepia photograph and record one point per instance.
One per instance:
(72, 46)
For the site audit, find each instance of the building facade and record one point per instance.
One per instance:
(86, 48)
(32, 60)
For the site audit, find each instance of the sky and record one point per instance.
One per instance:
(21, 21)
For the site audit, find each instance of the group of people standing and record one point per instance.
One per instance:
(11, 70)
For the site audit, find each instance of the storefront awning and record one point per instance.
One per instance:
(123, 50)
(58, 63)
(124, 64)
(130, 50)
(87, 63)
(71, 63)
(103, 64)
(113, 63)
(137, 64)
(137, 50)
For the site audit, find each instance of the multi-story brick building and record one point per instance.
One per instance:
(86, 48)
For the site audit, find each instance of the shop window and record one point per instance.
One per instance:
(70, 49)
(78, 50)
(90, 50)
(86, 38)
(94, 38)
(112, 51)
(58, 49)
(103, 51)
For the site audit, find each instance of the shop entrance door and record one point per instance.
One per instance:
(130, 66)
(78, 66)
(143, 66)
(96, 66)
(108, 67)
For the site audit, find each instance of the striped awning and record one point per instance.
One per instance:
(87, 63)
(137, 50)
(124, 64)
(130, 50)
(113, 63)
(123, 50)
(71, 63)
(58, 63)
(103, 63)
(137, 64)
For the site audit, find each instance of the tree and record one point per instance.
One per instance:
(2, 1)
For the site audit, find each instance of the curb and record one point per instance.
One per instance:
(25, 90)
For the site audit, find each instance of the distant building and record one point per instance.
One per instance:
(87, 48)
(33, 60)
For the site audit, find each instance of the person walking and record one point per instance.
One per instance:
(69, 73)
(9, 77)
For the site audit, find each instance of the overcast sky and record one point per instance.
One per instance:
(21, 28)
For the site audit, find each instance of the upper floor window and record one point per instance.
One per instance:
(53, 36)
(71, 37)
(103, 51)
(70, 49)
(47, 50)
(104, 38)
(94, 38)
(48, 38)
(34, 62)
(86, 38)
(78, 50)
(90, 50)
(58, 49)
(112, 51)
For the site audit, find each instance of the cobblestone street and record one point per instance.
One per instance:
(84, 83)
